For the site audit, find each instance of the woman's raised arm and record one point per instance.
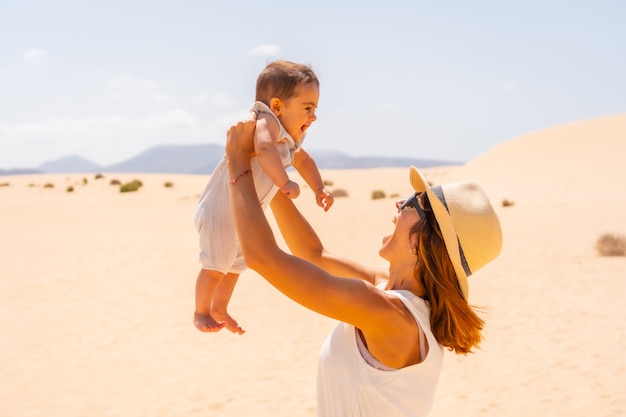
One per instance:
(351, 300)
(305, 243)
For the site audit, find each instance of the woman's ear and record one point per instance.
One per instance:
(276, 105)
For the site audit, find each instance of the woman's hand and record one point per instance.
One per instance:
(240, 139)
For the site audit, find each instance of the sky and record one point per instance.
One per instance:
(443, 80)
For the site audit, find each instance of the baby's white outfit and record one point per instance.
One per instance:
(347, 386)
(213, 216)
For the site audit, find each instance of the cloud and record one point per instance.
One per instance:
(265, 50)
(34, 56)
(510, 88)
(104, 139)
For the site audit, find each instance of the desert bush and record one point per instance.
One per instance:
(507, 203)
(377, 194)
(4, 184)
(340, 192)
(115, 182)
(610, 244)
(85, 182)
(98, 176)
(69, 189)
(134, 185)
(48, 185)
(168, 184)
(394, 195)
(327, 183)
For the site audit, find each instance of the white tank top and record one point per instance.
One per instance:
(348, 386)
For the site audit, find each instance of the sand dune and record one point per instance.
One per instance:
(96, 292)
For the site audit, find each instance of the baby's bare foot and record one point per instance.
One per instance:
(230, 323)
(206, 323)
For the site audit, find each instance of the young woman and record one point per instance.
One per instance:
(385, 355)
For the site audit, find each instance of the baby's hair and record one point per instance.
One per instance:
(280, 78)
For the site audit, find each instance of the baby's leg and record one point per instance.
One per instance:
(206, 288)
(219, 310)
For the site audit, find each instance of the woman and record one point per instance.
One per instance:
(385, 355)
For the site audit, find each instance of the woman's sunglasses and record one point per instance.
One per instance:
(413, 202)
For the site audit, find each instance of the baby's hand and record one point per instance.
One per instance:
(291, 189)
(324, 198)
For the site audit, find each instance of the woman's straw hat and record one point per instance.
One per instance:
(471, 230)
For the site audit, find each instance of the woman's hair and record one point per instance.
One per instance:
(280, 79)
(454, 322)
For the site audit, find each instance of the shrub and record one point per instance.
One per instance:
(507, 203)
(130, 186)
(611, 245)
(4, 184)
(69, 189)
(168, 184)
(327, 183)
(340, 193)
(98, 176)
(48, 185)
(377, 194)
(394, 195)
(115, 182)
(85, 182)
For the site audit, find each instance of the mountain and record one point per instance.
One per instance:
(174, 159)
(337, 160)
(19, 171)
(69, 164)
(202, 159)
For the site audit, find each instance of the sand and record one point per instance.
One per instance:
(96, 292)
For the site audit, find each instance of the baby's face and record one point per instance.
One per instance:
(298, 113)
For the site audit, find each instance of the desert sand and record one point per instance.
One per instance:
(96, 292)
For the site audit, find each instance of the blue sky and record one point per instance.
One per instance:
(437, 80)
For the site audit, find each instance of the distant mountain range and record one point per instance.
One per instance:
(202, 159)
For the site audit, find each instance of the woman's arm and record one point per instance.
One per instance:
(305, 243)
(350, 300)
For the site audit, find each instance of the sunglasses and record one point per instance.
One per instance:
(413, 202)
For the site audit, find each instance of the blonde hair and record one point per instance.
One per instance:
(453, 321)
(280, 78)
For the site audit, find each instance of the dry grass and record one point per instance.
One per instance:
(377, 194)
(610, 244)
(507, 203)
(340, 192)
(131, 186)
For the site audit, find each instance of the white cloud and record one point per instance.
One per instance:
(510, 88)
(265, 50)
(103, 139)
(160, 98)
(34, 55)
